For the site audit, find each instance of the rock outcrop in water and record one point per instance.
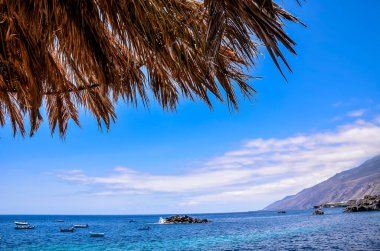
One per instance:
(368, 203)
(319, 211)
(184, 219)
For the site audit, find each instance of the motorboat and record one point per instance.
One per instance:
(93, 234)
(59, 221)
(21, 223)
(65, 230)
(81, 226)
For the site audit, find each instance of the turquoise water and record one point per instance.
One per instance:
(296, 230)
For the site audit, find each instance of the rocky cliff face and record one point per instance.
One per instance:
(351, 184)
(368, 203)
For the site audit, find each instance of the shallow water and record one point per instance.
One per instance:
(295, 230)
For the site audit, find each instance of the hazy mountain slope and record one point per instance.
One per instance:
(350, 184)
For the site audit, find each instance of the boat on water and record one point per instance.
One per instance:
(93, 234)
(81, 226)
(21, 223)
(59, 221)
(22, 227)
(65, 230)
(144, 228)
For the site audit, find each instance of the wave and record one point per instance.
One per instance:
(162, 221)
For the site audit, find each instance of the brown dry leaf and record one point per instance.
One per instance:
(67, 54)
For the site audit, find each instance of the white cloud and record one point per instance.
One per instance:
(261, 169)
(356, 113)
(377, 119)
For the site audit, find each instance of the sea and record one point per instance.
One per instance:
(260, 230)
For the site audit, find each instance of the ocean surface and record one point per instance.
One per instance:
(295, 230)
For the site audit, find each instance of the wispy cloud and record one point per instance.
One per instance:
(377, 119)
(260, 169)
(356, 113)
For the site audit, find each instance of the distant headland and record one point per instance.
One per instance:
(348, 188)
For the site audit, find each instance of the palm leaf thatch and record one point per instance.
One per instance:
(71, 54)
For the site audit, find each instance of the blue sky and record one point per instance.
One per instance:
(325, 119)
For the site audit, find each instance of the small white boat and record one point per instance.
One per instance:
(93, 234)
(65, 230)
(81, 226)
(59, 221)
(20, 223)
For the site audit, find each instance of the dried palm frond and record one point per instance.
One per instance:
(67, 54)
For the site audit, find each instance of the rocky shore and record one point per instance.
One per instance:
(184, 219)
(336, 204)
(368, 203)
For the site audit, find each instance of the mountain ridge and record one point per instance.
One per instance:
(346, 185)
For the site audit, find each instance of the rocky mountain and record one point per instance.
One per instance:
(351, 184)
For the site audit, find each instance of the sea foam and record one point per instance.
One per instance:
(162, 221)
